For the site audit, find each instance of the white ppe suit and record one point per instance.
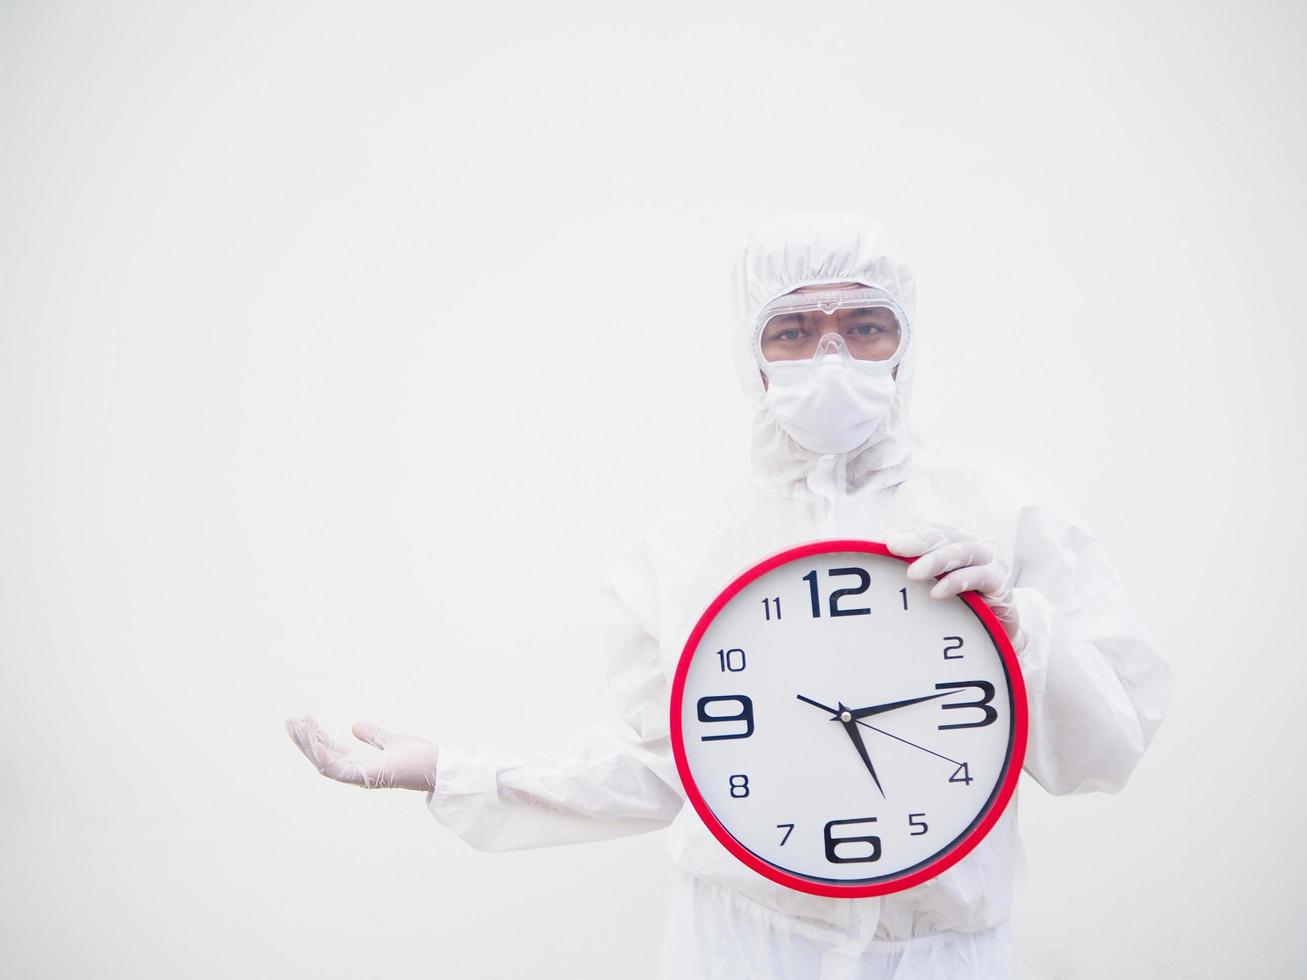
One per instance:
(1097, 686)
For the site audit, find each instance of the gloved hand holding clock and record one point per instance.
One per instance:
(962, 563)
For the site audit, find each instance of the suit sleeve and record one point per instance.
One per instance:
(610, 779)
(1097, 685)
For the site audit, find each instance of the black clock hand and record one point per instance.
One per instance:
(852, 728)
(877, 709)
(817, 704)
(842, 715)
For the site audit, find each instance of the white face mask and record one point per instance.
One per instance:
(832, 406)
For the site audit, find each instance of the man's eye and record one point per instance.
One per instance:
(876, 327)
(787, 335)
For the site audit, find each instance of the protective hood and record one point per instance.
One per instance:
(781, 255)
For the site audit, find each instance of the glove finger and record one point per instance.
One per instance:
(302, 734)
(374, 735)
(317, 748)
(948, 557)
(300, 724)
(912, 542)
(316, 733)
(970, 578)
(318, 754)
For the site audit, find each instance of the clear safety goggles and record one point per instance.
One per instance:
(864, 325)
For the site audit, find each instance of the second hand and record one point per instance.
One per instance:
(906, 742)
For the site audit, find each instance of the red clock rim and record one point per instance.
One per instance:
(978, 831)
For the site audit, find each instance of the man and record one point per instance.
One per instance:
(832, 457)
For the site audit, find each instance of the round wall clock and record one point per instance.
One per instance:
(840, 731)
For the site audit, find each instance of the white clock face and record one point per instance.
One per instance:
(840, 730)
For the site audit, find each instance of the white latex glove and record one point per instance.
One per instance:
(962, 563)
(393, 762)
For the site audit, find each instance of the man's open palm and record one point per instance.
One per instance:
(391, 762)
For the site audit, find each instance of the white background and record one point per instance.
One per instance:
(314, 315)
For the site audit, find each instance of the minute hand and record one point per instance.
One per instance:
(877, 709)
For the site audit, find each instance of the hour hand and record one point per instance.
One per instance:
(851, 727)
(845, 717)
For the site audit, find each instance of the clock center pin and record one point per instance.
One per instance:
(845, 716)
